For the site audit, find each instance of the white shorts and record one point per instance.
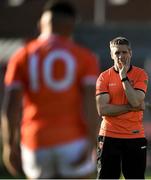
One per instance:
(58, 161)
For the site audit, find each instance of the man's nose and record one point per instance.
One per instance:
(120, 56)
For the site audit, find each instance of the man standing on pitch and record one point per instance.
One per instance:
(120, 93)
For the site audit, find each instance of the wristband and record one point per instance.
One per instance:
(125, 79)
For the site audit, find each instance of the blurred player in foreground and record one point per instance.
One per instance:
(120, 93)
(53, 80)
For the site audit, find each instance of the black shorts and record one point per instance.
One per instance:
(116, 155)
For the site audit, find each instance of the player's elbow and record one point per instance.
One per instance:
(137, 99)
(102, 110)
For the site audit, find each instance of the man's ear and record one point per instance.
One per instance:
(130, 52)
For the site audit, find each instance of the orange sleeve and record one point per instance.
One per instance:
(93, 65)
(142, 81)
(101, 84)
(14, 72)
(91, 68)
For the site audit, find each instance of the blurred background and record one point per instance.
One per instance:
(99, 21)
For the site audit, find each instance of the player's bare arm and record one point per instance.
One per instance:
(10, 135)
(135, 97)
(90, 112)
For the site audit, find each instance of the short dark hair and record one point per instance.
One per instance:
(60, 8)
(120, 41)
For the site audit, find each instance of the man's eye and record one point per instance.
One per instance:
(124, 52)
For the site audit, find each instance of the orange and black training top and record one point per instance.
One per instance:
(127, 125)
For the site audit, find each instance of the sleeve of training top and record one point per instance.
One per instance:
(14, 72)
(102, 84)
(142, 81)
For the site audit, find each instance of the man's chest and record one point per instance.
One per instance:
(116, 90)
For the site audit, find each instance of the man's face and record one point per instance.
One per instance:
(121, 54)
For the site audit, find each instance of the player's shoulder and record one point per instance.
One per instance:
(104, 75)
(32, 44)
(22, 51)
(138, 69)
(107, 72)
(18, 53)
(84, 50)
(139, 72)
(27, 44)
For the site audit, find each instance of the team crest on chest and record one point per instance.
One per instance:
(112, 84)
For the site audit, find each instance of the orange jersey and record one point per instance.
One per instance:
(128, 125)
(52, 73)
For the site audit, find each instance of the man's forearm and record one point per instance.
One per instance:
(133, 98)
(8, 132)
(114, 110)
